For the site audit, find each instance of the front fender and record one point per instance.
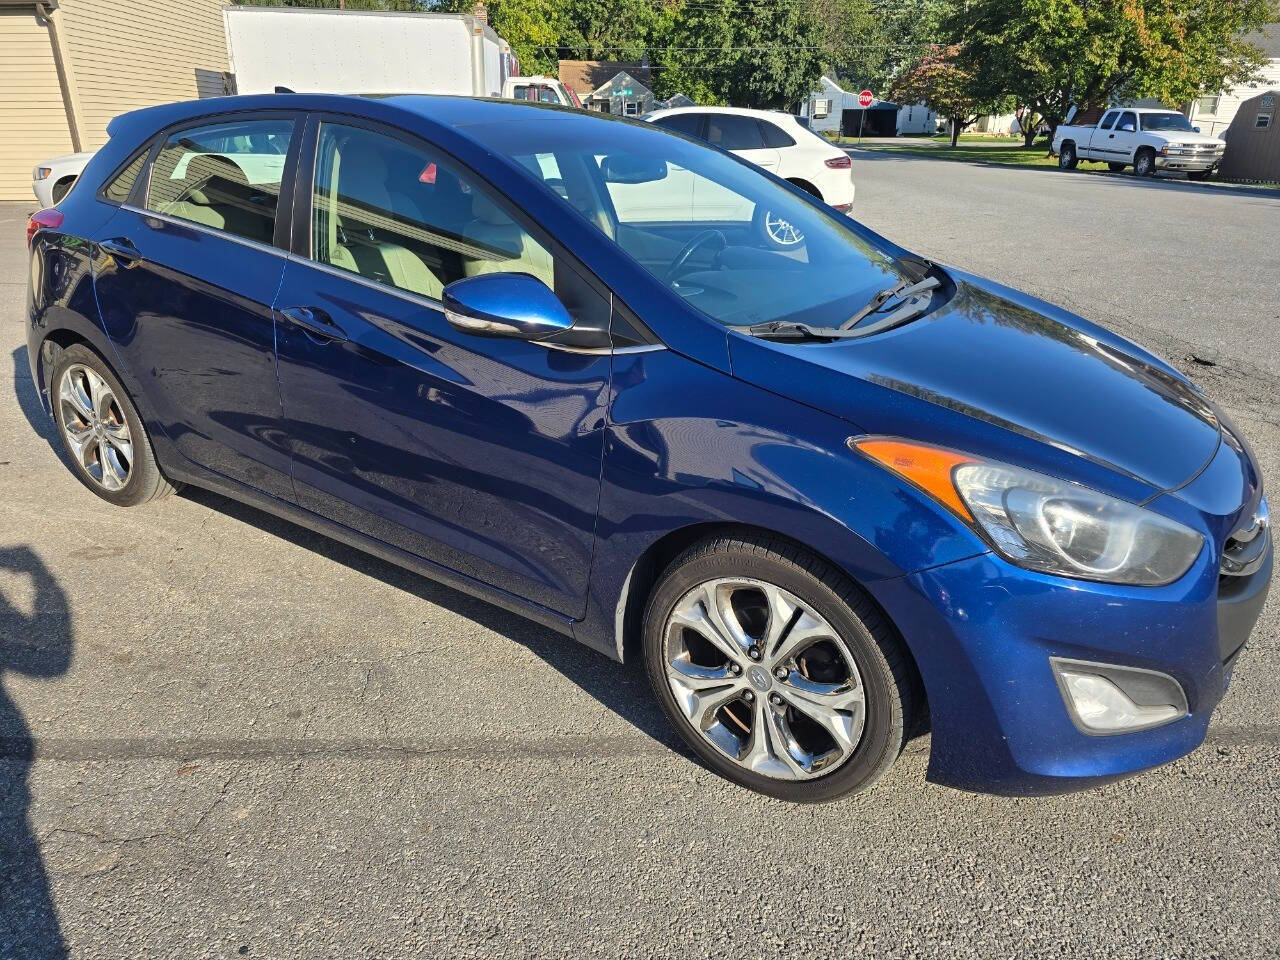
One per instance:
(689, 447)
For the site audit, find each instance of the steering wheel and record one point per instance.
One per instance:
(705, 238)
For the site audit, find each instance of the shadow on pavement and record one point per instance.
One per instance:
(623, 689)
(35, 644)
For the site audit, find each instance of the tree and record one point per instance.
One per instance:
(892, 35)
(1053, 54)
(751, 53)
(939, 81)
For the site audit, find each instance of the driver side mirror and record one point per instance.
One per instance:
(514, 305)
(628, 168)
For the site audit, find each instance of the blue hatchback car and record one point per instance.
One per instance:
(636, 389)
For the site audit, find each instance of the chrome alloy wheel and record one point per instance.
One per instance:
(95, 427)
(764, 678)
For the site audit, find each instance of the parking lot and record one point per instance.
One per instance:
(221, 735)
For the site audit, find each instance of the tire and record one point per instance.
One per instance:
(114, 459)
(1116, 167)
(1199, 175)
(1144, 163)
(850, 650)
(1067, 158)
(62, 188)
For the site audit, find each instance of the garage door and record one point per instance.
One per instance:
(33, 121)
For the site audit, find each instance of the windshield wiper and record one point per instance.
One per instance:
(919, 296)
(905, 288)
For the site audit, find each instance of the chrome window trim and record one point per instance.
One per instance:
(205, 229)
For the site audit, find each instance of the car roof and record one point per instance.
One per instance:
(457, 113)
(741, 111)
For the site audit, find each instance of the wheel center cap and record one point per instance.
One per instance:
(759, 678)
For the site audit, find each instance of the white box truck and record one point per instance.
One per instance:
(357, 51)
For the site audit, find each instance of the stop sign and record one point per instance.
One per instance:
(865, 98)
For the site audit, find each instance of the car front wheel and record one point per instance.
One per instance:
(1144, 164)
(776, 669)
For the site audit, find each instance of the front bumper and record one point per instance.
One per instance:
(1188, 163)
(982, 632)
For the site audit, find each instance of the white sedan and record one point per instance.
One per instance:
(778, 142)
(52, 179)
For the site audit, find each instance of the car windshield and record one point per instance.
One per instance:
(1165, 121)
(729, 240)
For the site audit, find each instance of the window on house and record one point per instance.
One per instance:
(1262, 121)
(821, 108)
(1208, 104)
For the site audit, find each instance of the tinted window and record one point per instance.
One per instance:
(1108, 121)
(400, 215)
(733, 132)
(775, 136)
(118, 190)
(1166, 121)
(1128, 123)
(226, 176)
(687, 123)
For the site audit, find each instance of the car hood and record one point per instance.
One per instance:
(991, 357)
(1184, 136)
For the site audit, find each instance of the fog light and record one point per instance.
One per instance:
(1104, 699)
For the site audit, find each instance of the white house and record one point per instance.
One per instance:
(1214, 114)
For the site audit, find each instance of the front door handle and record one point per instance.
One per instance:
(122, 250)
(315, 322)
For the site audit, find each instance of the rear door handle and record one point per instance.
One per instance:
(314, 322)
(122, 250)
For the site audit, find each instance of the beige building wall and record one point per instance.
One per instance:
(136, 54)
(33, 120)
(121, 56)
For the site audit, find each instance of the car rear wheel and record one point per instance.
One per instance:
(776, 669)
(102, 432)
(1144, 164)
(1067, 159)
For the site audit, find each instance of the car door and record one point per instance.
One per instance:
(185, 275)
(1102, 138)
(1124, 139)
(479, 454)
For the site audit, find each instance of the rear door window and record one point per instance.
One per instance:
(224, 176)
(689, 124)
(729, 131)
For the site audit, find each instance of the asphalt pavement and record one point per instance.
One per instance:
(223, 736)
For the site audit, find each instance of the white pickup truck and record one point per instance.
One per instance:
(1147, 140)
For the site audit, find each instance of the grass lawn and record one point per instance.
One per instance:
(975, 150)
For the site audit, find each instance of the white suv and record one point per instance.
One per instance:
(778, 142)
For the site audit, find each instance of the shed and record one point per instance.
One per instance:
(67, 67)
(1253, 140)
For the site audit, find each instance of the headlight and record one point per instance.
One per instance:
(1045, 524)
(42, 173)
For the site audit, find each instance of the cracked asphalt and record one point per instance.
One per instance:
(223, 736)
